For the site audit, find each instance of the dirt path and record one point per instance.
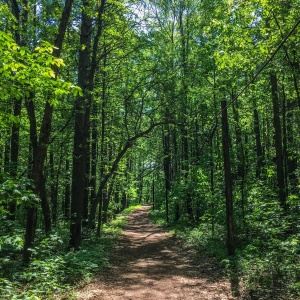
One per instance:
(150, 264)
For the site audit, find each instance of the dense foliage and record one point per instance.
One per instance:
(110, 102)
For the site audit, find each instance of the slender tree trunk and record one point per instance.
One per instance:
(94, 203)
(124, 200)
(102, 148)
(45, 206)
(239, 141)
(259, 150)
(85, 211)
(167, 162)
(21, 20)
(278, 143)
(100, 198)
(284, 140)
(14, 152)
(240, 154)
(228, 180)
(40, 147)
(67, 195)
(6, 154)
(291, 155)
(212, 185)
(53, 191)
(183, 29)
(91, 76)
(105, 203)
(175, 169)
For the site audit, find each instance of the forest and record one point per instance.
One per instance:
(192, 106)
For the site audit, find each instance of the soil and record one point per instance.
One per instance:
(150, 264)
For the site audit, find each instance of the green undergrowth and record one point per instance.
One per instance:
(199, 237)
(267, 262)
(54, 272)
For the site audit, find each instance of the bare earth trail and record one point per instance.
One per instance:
(150, 264)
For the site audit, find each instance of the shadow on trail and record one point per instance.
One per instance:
(147, 250)
(148, 263)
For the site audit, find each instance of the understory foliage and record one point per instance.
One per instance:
(267, 259)
(54, 272)
(109, 103)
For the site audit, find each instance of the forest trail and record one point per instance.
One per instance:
(149, 264)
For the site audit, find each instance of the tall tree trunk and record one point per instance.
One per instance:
(212, 185)
(85, 211)
(228, 180)
(291, 155)
(175, 167)
(284, 140)
(82, 121)
(240, 176)
(21, 20)
(80, 141)
(167, 162)
(40, 147)
(94, 203)
(14, 151)
(183, 29)
(278, 143)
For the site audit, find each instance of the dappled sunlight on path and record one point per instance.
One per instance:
(150, 264)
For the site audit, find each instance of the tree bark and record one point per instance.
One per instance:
(53, 189)
(259, 150)
(92, 214)
(228, 180)
(86, 198)
(40, 147)
(167, 162)
(278, 143)
(80, 138)
(67, 195)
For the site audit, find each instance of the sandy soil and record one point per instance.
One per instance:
(149, 264)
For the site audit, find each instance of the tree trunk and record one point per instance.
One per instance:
(105, 203)
(40, 147)
(259, 150)
(278, 144)
(124, 200)
(14, 152)
(53, 190)
(67, 195)
(80, 141)
(239, 141)
(6, 154)
(174, 173)
(21, 20)
(291, 155)
(85, 211)
(228, 180)
(167, 162)
(94, 203)
(45, 206)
